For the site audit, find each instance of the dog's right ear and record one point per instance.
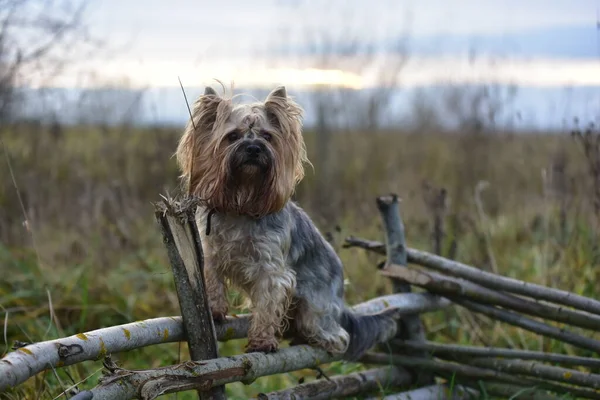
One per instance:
(207, 109)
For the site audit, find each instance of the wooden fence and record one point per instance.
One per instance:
(409, 364)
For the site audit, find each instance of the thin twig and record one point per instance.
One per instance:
(538, 370)
(28, 223)
(460, 351)
(74, 386)
(481, 186)
(187, 104)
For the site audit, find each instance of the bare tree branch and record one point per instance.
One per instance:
(437, 392)
(25, 362)
(457, 352)
(37, 39)
(344, 385)
(487, 279)
(450, 286)
(530, 324)
(123, 384)
(449, 370)
(538, 370)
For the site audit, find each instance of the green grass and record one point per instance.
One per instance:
(98, 258)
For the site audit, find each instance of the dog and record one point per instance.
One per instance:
(244, 162)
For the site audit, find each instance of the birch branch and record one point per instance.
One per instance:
(444, 285)
(344, 385)
(531, 325)
(449, 370)
(457, 352)
(487, 279)
(23, 363)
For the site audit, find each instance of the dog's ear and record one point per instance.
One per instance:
(206, 109)
(282, 112)
(208, 91)
(279, 92)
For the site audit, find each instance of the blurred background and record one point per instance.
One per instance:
(482, 116)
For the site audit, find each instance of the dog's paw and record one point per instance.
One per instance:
(219, 316)
(262, 346)
(219, 312)
(335, 344)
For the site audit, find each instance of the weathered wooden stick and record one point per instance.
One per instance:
(449, 370)
(538, 370)
(507, 391)
(445, 285)
(457, 352)
(486, 279)
(437, 392)
(124, 384)
(344, 385)
(182, 240)
(530, 324)
(21, 364)
(411, 327)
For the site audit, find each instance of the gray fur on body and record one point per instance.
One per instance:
(292, 276)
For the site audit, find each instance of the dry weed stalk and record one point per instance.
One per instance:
(437, 201)
(589, 140)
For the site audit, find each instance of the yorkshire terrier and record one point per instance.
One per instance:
(243, 162)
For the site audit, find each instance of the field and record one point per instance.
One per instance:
(81, 250)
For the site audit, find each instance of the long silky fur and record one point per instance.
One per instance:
(262, 242)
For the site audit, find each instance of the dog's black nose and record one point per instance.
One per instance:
(253, 150)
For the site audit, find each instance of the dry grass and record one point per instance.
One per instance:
(98, 255)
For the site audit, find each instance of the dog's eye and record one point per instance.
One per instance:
(233, 136)
(266, 135)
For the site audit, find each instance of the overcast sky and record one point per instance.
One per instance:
(534, 42)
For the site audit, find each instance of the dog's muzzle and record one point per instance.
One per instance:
(252, 152)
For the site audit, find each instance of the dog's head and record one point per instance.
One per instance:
(243, 159)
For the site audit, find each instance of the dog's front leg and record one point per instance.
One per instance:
(271, 295)
(216, 292)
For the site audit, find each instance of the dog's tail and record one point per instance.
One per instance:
(367, 330)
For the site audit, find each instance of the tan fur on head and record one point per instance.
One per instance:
(204, 153)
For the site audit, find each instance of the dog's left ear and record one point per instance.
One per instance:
(282, 111)
(278, 92)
